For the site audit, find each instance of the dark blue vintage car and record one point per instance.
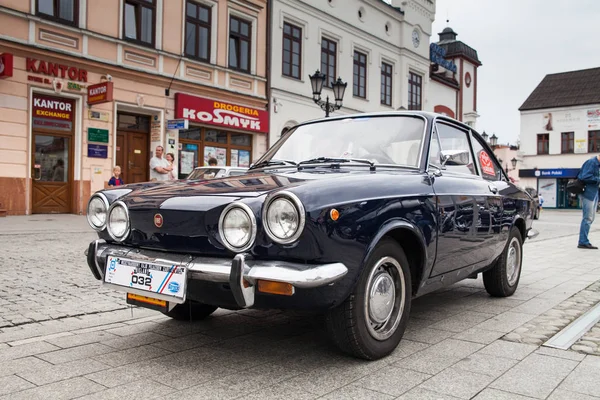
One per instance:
(352, 217)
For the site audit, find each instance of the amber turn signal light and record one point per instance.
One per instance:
(334, 214)
(284, 289)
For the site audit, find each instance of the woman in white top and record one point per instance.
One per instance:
(173, 173)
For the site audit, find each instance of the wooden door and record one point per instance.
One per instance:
(52, 173)
(121, 152)
(138, 162)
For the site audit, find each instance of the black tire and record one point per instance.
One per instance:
(349, 326)
(496, 280)
(198, 311)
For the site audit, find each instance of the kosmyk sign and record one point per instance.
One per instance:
(219, 113)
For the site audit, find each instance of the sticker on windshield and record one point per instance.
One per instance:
(487, 166)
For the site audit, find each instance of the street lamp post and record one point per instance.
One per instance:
(339, 88)
(493, 140)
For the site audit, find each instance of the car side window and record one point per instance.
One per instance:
(455, 140)
(487, 165)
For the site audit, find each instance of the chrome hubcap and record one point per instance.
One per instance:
(513, 261)
(384, 300)
(381, 298)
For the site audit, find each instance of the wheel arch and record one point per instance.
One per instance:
(521, 226)
(409, 238)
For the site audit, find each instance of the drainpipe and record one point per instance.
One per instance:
(268, 62)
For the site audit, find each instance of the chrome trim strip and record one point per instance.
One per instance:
(299, 209)
(252, 217)
(116, 204)
(106, 205)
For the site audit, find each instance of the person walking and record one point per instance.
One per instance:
(590, 175)
(159, 167)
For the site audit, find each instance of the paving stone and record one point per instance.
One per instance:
(536, 376)
(459, 383)
(419, 393)
(566, 354)
(280, 391)
(560, 394)
(356, 392)
(88, 337)
(144, 388)
(485, 364)
(75, 353)
(584, 379)
(461, 322)
(405, 349)
(68, 389)
(495, 394)
(427, 335)
(21, 364)
(478, 335)
(516, 351)
(130, 356)
(185, 342)
(31, 349)
(393, 381)
(505, 322)
(53, 373)
(134, 340)
(12, 383)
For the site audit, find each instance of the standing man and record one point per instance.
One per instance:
(159, 166)
(590, 175)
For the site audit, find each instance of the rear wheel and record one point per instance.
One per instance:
(190, 311)
(503, 278)
(370, 323)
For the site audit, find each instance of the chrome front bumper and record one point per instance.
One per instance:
(240, 272)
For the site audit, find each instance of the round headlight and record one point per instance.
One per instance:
(284, 218)
(96, 211)
(237, 227)
(118, 221)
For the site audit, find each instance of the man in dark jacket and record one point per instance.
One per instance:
(590, 175)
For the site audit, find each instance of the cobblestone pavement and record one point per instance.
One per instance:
(70, 338)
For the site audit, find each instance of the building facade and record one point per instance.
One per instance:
(382, 51)
(560, 130)
(87, 85)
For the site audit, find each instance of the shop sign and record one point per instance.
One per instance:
(98, 115)
(580, 146)
(437, 55)
(178, 124)
(52, 112)
(97, 151)
(55, 70)
(97, 135)
(549, 173)
(100, 93)
(6, 65)
(155, 129)
(219, 113)
(593, 118)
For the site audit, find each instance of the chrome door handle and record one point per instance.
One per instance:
(493, 188)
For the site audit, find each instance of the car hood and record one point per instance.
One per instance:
(183, 194)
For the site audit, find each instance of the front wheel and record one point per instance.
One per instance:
(190, 311)
(502, 280)
(370, 323)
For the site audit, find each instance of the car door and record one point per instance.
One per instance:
(462, 196)
(491, 172)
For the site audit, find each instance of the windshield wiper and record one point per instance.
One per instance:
(320, 160)
(272, 162)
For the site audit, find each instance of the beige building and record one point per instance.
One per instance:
(86, 85)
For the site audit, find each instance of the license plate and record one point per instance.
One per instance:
(162, 281)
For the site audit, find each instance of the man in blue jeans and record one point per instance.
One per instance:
(590, 175)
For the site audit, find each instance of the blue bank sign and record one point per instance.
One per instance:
(549, 173)
(437, 55)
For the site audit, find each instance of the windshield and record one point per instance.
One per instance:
(382, 140)
(206, 173)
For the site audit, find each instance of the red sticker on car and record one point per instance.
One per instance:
(487, 166)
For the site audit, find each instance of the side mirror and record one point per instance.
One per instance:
(455, 157)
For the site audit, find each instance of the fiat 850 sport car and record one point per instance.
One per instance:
(350, 217)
